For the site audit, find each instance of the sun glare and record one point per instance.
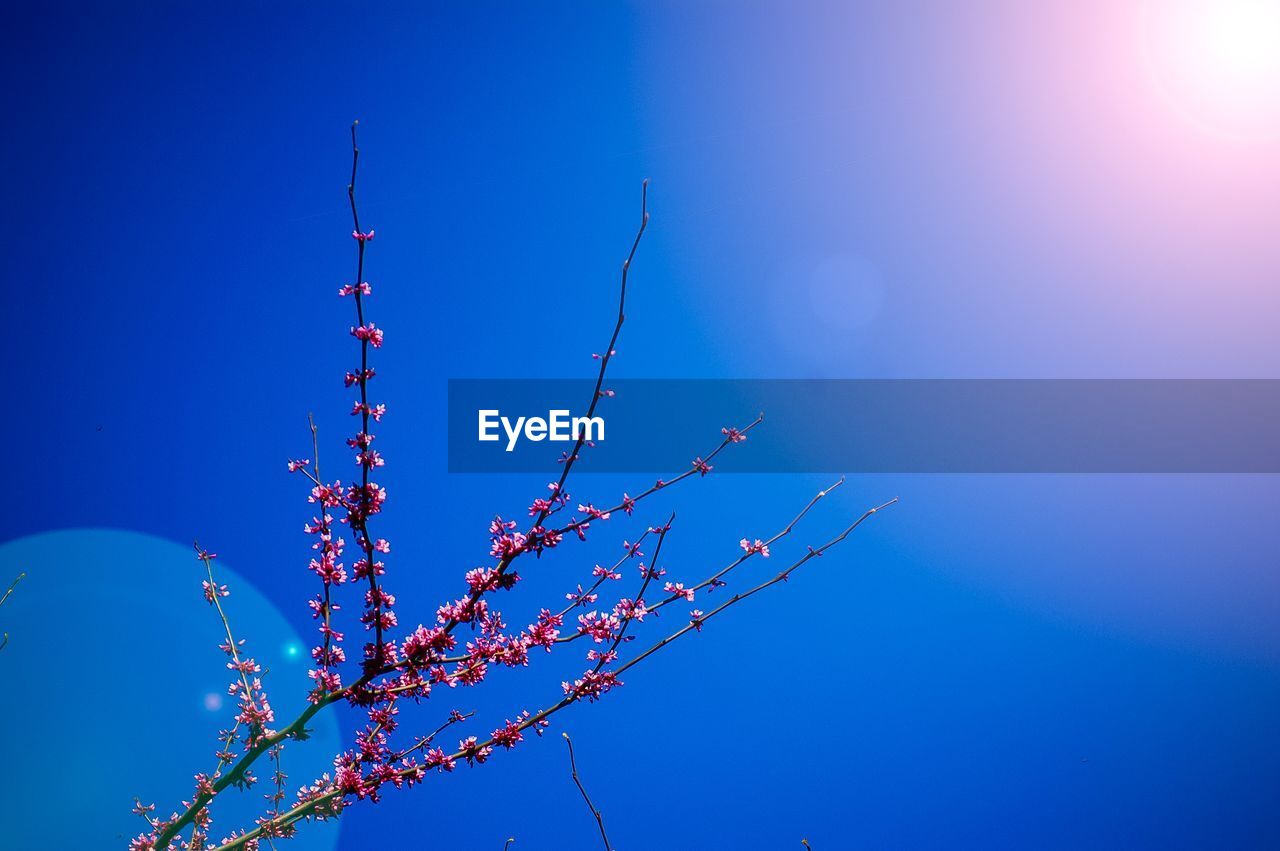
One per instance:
(1218, 61)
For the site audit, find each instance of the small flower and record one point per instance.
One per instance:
(368, 333)
(361, 237)
(605, 572)
(593, 512)
(472, 751)
(677, 589)
(211, 591)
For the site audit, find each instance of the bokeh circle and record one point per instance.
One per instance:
(114, 687)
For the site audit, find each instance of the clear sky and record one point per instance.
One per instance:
(914, 189)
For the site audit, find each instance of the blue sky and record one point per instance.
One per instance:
(843, 190)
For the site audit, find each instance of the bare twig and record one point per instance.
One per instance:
(596, 394)
(573, 767)
(715, 578)
(5, 641)
(737, 598)
(455, 717)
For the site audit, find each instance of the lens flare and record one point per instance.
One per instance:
(1218, 61)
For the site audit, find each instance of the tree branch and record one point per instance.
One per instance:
(573, 767)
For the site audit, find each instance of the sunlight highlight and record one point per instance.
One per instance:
(1218, 61)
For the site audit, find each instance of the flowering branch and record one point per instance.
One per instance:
(573, 768)
(392, 670)
(590, 687)
(369, 499)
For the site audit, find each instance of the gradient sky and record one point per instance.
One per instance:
(989, 189)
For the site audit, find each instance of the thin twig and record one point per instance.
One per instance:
(232, 649)
(430, 737)
(715, 577)
(737, 598)
(5, 641)
(12, 585)
(573, 767)
(596, 395)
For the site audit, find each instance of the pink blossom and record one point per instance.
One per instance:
(601, 627)
(678, 589)
(593, 512)
(626, 609)
(605, 572)
(592, 685)
(358, 376)
(544, 632)
(509, 735)
(436, 758)
(368, 333)
(370, 458)
(507, 546)
(581, 597)
(211, 591)
(471, 750)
